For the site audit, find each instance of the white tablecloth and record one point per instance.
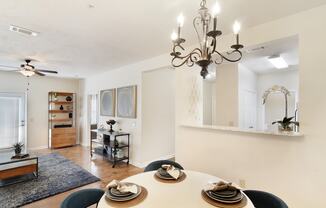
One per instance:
(186, 194)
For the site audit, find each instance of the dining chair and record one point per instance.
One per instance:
(157, 164)
(262, 199)
(83, 198)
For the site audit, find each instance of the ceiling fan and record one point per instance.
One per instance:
(29, 70)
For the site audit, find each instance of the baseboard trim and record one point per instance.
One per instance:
(84, 145)
(38, 148)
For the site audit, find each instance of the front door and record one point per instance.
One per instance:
(12, 119)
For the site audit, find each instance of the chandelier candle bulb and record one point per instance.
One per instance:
(216, 10)
(174, 36)
(236, 30)
(236, 27)
(180, 20)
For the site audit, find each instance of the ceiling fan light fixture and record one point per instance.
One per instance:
(27, 73)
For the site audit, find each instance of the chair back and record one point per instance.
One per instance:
(157, 164)
(83, 198)
(262, 199)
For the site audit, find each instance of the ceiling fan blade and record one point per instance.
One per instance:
(11, 67)
(39, 73)
(48, 71)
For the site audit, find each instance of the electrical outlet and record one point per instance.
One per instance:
(242, 183)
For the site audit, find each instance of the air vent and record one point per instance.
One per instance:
(256, 49)
(22, 30)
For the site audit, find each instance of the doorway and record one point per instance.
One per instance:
(13, 113)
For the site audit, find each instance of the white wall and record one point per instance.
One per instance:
(209, 102)
(158, 120)
(247, 98)
(292, 168)
(227, 95)
(37, 101)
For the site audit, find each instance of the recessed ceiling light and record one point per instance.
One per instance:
(278, 62)
(22, 30)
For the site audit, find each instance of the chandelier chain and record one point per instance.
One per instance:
(203, 3)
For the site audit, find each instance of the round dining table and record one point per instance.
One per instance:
(186, 193)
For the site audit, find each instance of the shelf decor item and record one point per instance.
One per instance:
(68, 99)
(107, 102)
(111, 123)
(286, 124)
(18, 147)
(127, 102)
(61, 107)
(55, 97)
(205, 24)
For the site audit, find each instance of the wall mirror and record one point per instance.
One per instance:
(260, 93)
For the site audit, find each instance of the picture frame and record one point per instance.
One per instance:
(127, 102)
(108, 102)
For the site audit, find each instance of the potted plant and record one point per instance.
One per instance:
(286, 124)
(18, 147)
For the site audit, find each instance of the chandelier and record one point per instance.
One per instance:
(205, 25)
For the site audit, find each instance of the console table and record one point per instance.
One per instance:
(17, 170)
(109, 145)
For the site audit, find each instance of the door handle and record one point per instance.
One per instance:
(22, 123)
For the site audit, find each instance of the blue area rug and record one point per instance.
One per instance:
(56, 175)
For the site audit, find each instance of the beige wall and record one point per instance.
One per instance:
(37, 130)
(158, 121)
(292, 168)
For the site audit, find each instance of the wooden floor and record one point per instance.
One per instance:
(97, 166)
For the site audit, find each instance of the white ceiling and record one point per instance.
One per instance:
(257, 60)
(78, 40)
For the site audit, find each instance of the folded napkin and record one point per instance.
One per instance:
(122, 187)
(172, 171)
(220, 186)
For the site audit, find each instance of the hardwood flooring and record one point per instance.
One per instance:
(97, 166)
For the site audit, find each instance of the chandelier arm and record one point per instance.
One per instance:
(178, 45)
(188, 59)
(228, 59)
(219, 62)
(182, 63)
(196, 51)
(214, 45)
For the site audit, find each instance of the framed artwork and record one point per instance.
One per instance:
(107, 102)
(127, 102)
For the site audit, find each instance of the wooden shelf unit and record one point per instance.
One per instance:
(61, 111)
(61, 102)
(62, 123)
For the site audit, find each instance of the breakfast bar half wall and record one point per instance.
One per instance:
(251, 160)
